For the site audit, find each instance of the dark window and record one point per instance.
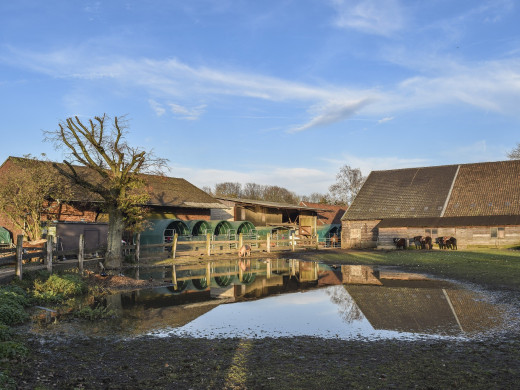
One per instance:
(494, 232)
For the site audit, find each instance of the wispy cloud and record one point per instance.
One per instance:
(386, 119)
(303, 181)
(157, 107)
(187, 113)
(174, 85)
(332, 112)
(368, 164)
(370, 16)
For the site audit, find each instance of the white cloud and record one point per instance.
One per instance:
(492, 85)
(370, 16)
(368, 164)
(332, 112)
(303, 181)
(158, 108)
(386, 119)
(187, 113)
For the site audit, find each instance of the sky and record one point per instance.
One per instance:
(278, 92)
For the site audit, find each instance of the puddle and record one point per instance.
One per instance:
(285, 298)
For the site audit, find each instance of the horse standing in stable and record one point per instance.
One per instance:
(400, 243)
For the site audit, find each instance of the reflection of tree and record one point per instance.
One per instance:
(347, 308)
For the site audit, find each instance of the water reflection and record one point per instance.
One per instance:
(222, 299)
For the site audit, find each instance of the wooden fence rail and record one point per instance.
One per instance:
(46, 254)
(211, 246)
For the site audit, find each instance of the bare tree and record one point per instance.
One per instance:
(348, 183)
(207, 190)
(316, 197)
(280, 194)
(109, 168)
(514, 154)
(228, 189)
(253, 191)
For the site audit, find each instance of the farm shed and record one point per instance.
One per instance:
(163, 230)
(244, 227)
(199, 227)
(221, 228)
(261, 213)
(170, 198)
(478, 204)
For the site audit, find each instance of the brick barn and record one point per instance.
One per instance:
(171, 198)
(478, 204)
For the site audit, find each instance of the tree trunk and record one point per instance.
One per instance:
(113, 257)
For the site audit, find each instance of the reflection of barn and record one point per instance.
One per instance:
(264, 215)
(425, 309)
(479, 204)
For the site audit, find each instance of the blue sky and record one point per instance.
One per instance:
(280, 92)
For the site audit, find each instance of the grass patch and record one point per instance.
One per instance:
(59, 287)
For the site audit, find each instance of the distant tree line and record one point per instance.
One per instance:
(342, 192)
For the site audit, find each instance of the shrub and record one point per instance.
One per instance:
(20, 298)
(6, 382)
(12, 302)
(59, 287)
(12, 350)
(5, 333)
(97, 313)
(12, 313)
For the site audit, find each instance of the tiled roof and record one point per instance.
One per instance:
(449, 191)
(491, 188)
(265, 203)
(403, 193)
(164, 190)
(329, 214)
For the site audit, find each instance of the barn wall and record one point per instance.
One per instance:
(467, 236)
(359, 234)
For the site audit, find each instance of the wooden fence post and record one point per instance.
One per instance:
(268, 244)
(81, 253)
(317, 242)
(137, 253)
(48, 258)
(174, 245)
(19, 256)
(174, 277)
(293, 242)
(240, 241)
(208, 243)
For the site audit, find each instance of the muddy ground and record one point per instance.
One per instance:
(289, 363)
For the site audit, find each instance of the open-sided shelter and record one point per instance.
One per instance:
(301, 219)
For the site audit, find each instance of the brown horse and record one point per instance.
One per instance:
(451, 243)
(400, 243)
(418, 241)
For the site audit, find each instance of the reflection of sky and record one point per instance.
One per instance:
(298, 314)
